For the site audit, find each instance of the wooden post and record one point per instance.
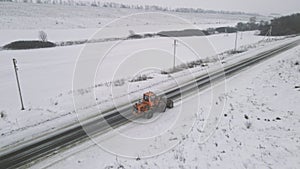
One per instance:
(236, 39)
(175, 44)
(18, 83)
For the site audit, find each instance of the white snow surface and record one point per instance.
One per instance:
(23, 21)
(46, 77)
(258, 128)
(46, 80)
(46, 74)
(32, 16)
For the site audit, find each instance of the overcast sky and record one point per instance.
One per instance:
(253, 6)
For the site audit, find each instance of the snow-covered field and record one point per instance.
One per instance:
(23, 21)
(48, 86)
(259, 127)
(49, 16)
(46, 77)
(46, 74)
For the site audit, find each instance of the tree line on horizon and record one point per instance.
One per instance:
(97, 3)
(286, 25)
(281, 26)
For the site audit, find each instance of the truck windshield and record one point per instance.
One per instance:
(146, 98)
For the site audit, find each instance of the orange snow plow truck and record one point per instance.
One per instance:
(151, 103)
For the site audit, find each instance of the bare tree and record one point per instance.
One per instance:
(131, 32)
(43, 36)
(252, 20)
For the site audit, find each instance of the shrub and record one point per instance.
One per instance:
(226, 29)
(286, 25)
(183, 33)
(248, 125)
(28, 45)
(140, 78)
(120, 82)
(2, 114)
(149, 35)
(136, 36)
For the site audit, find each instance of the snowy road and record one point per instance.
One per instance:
(39, 149)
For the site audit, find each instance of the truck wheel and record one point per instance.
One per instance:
(149, 115)
(170, 104)
(162, 107)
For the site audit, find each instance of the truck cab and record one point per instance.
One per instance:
(151, 103)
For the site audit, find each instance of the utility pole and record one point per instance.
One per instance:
(236, 39)
(18, 83)
(268, 34)
(175, 44)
